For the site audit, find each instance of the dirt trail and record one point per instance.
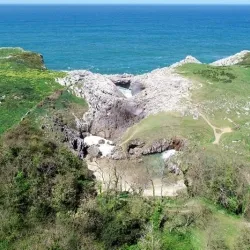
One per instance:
(218, 132)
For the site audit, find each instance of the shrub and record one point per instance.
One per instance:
(218, 177)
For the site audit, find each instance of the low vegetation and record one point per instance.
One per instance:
(169, 125)
(48, 201)
(48, 198)
(23, 84)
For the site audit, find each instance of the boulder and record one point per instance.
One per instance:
(138, 147)
(94, 151)
(136, 87)
(101, 141)
(118, 153)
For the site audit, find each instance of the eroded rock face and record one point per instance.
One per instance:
(94, 151)
(164, 91)
(136, 87)
(123, 80)
(111, 112)
(137, 148)
(116, 118)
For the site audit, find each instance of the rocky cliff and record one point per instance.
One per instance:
(164, 110)
(111, 112)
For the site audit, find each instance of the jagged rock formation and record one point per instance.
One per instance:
(123, 80)
(111, 112)
(164, 90)
(188, 59)
(231, 60)
(137, 148)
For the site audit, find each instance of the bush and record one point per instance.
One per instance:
(39, 178)
(218, 177)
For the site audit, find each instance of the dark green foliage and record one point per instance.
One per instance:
(39, 178)
(26, 60)
(121, 231)
(177, 240)
(218, 177)
(120, 224)
(219, 75)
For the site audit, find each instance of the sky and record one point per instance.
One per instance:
(124, 1)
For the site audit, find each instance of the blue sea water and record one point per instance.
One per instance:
(123, 38)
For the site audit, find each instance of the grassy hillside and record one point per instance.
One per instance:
(169, 125)
(47, 195)
(24, 82)
(216, 169)
(221, 96)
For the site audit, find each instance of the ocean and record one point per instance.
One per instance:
(125, 38)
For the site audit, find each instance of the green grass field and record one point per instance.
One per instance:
(222, 95)
(188, 222)
(23, 84)
(221, 92)
(169, 125)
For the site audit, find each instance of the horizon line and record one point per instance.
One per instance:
(133, 4)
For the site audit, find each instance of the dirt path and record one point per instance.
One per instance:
(218, 132)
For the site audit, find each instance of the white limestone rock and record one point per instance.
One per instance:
(231, 60)
(105, 146)
(188, 59)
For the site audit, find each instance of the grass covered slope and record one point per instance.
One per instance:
(216, 163)
(47, 195)
(222, 95)
(24, 82)
(169, 125)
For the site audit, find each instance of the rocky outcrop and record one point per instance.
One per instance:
(94, 152)
(136, 87)
(188, 59)
(232, 60)
(164, 91)
(123, 80)
(76, 142)
(171, 164)
(111, 112)
(137, 148)
(98, 146)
